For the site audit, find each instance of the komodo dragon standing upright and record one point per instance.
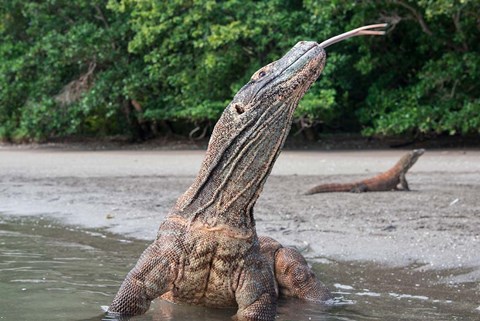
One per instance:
(207, 251)
(385, 181)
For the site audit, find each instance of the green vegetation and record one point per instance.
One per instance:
(135, 67)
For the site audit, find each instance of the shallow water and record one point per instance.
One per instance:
(53, 272)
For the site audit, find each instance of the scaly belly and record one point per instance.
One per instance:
(210, 266)
(209, 284)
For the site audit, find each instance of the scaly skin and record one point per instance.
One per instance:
(207, 251)
(386, 181)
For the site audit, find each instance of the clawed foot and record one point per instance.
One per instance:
(112, 316)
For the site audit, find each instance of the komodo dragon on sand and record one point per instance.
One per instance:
(385, 181)
(207, 251)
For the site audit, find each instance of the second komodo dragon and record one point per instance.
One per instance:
(385, 181)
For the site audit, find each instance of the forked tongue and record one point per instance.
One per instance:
(362, 31)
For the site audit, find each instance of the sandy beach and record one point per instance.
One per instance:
(129, 192)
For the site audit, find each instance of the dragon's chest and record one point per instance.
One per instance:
(209, 271)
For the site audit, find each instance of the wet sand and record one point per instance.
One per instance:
(435, 226)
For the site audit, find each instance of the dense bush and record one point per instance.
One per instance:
(126, 66)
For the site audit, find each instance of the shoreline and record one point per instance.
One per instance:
(435, 226)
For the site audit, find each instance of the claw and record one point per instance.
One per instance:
(112, 316)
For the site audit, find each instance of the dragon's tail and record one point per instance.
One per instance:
(330, 188)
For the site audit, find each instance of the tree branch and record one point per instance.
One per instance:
(417, 16)
(101, 16)
(458, 27)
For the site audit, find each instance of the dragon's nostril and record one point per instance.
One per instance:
(239, 109)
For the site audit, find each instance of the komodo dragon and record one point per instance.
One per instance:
(207, 251)
(385, 181)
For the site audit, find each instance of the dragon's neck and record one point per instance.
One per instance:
(234, 171)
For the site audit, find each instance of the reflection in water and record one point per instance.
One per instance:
(50, 272)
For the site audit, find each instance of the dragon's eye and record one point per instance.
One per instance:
(261, 73)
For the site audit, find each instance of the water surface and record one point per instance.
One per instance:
(52, 272)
